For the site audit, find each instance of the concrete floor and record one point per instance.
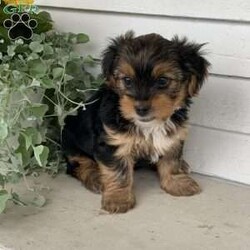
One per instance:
(219, 218)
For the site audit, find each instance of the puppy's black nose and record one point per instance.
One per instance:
(142, 110)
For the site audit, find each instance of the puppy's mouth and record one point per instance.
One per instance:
(145, 119)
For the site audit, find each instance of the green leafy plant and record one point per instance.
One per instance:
(41, 82)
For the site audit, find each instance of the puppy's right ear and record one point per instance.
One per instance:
(110, 55)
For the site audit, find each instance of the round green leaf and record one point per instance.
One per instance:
(48, 50)
(11, 50)
(41, 155)
(82, 38)
(36, 47)
(35, 83)
(90, 61)
(33, 56)
(37, 68)
(38, 110)
(31, 136)
(47, 83)
(57, 73)
(17, 75)
(68, 77)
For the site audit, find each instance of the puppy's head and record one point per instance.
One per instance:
(152, 75)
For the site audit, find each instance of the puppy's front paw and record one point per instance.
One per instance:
(118, 203)
(181, 185)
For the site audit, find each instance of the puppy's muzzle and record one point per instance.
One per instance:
(142, 109)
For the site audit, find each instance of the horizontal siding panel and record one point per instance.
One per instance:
(224, 104)
(219, 154)
(230, 66)
(226, 10)
(228, 48)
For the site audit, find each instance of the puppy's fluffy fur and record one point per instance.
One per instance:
(141, 112)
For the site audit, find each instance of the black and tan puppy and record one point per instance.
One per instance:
(141, 112)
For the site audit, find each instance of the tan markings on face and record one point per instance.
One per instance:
(166, 69)
(123, 69)
(143, 103)
(163, 105)
(169, 70)
(127, 105)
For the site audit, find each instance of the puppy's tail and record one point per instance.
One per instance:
(87, 171)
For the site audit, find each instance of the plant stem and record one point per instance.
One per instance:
(50, 100)
(76, 103)
(51, 140)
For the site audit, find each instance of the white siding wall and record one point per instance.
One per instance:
(219, 142)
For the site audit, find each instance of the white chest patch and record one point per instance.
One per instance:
(156, 134)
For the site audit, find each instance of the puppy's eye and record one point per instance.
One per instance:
(127, 81)
(162, 82)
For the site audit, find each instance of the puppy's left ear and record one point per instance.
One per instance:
(192, 62)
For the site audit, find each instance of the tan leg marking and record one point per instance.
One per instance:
(88, 172)
(174, 179)
(118, 196)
